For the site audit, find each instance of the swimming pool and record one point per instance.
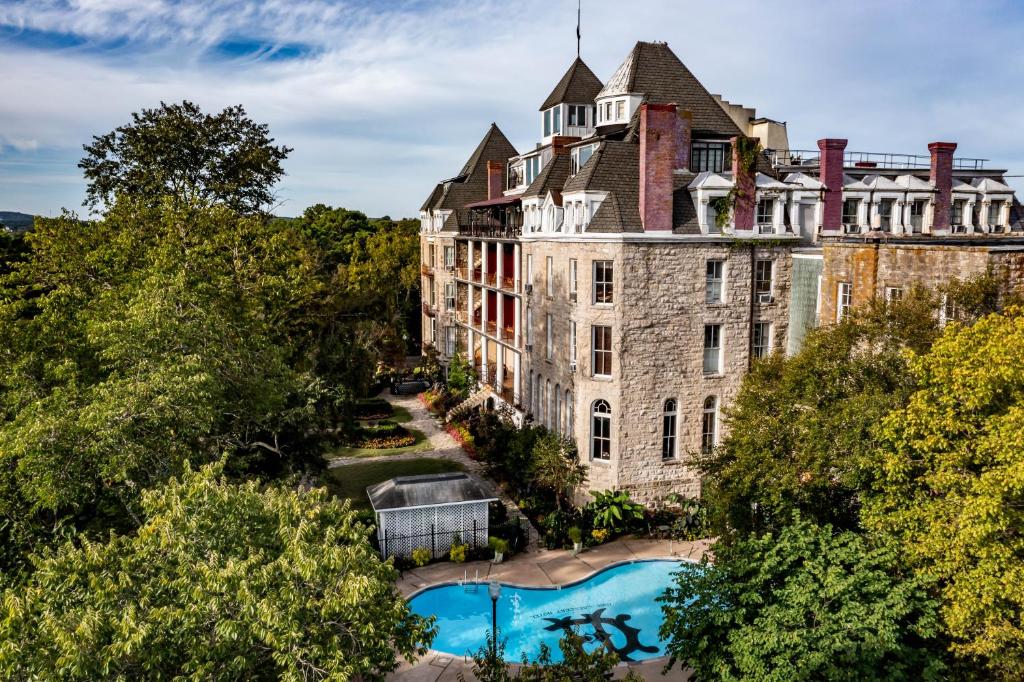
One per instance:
(618, 604)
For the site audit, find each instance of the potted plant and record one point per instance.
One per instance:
(500, 546)
(576, 535)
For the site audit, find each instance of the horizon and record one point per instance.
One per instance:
(326, 76)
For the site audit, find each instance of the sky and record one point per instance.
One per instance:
(380, 99)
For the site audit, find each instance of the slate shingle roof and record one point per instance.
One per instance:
(551, 178)
(579, 85)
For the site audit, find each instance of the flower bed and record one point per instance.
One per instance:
(387, 442)
(461, 433)
(383, 435)
(373, 408)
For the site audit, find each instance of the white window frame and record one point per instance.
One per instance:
(605, 285)
(712, 280)
(549, 268)
(758, 281)
(762, 333)
(669, 429)
(709, 436)
(604, 353)
(713, 351)
(549, 352)
(844, 299)
(600, 411)
(572, 343)
(449, 295)
(573, 280)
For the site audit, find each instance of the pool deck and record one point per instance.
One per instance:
(538, 568)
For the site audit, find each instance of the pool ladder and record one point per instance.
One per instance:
(468, 586)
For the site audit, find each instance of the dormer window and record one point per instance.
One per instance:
(765, 215)
(557, 115)
(851, 207)
(579, 156)
(917, 215)
(607, 112)
(708, 156)
(620, 109)
(885, 214)
(959, 207)
(995, 212)
(578, 115)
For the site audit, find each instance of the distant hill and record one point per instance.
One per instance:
(17, 222)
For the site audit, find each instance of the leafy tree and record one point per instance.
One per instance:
(177, 151)
(801, 428)
(805, 604)
(612, 509)
(950, 487)
(577, 664)
(461, 376)
(557, 466)
(221, 581)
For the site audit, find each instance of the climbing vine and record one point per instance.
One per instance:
(747, 149)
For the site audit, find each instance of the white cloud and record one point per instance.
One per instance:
(395, 96)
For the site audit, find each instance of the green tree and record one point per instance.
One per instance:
(577, 664)
(557, 466)
(801, 428)
(177, 151)
(220, 582)
(950, 472)
(805, 604)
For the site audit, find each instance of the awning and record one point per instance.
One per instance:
(499, 201)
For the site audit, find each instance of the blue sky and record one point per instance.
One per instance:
(381, 99)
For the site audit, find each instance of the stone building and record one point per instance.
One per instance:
(617, 280)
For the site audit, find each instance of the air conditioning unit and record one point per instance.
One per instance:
(572, 297)
(572, 368)
(764, 298)
(529, 348)
(959, 229)
(996, 229)
(529, 289)
(851, 229)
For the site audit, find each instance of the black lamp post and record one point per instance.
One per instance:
(494, 589)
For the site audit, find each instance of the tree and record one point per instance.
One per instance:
(950, 485)
(577, 664)
(804, 604)
(221, 581)
(557, 466)
(177, 151)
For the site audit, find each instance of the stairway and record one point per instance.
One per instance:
(469, 403)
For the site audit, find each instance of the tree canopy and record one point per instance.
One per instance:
(950, 485)
(219, 582)
(178, 151)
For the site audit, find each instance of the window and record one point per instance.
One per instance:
(843, 300)
(569, 426)
(714, 280)
(893, 294)
(547, 124)
(548, 408)
(572, 279)
(557, 126)
(620, 109)
(712, 349)
(449, 340)
(766, 212)
(601, 430)
(607, 112)
(850, 209)
(668, 430)
(762, 345)
(957, 218)
(579, 157)
(708, 156)
(602, 281)
(763, 280)
(550, 331)
(917, 215)
(578, 115)
(558, 409)
(433, 330)
(532, 168)
(549, 276)
(885, 214)
(529, 326)
(709, 425)
(947, 310)
(529, 269)
(572, 343)
(433, 293)
(711, 220)
(995, 214)
(601, 354)
(449, 257)
(431, 258)
(449, 296)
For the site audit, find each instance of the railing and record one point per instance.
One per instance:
(508, 283)
(492, 327)
(495, 230)
(812, 157)
(490, 279)
(426, 270)
(428, 310)
(462, 315)
(509, 333)
(461, 272)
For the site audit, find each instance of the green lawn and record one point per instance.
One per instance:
(422, 444)
(401, 415)
(351, 480)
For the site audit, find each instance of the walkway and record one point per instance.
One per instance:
(443, 446)
(541, 568)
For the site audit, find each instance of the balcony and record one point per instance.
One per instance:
(461, 315)
(508, 283)
(812, 158)
(426, 270)
(429, 310)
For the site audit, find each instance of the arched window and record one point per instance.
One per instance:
(668, 430)
(569, 430)
(558, 408)
(538, 398)
(601, 430)
(547, 404)
(709, 425)
(532, 405)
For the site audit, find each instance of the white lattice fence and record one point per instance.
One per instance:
(400, 531)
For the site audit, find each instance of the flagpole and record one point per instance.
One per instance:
(578, 4)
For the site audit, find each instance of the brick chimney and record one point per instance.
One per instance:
(942, 179)
(495, 169)
(831, 174)
(664, 146)
(746, 190)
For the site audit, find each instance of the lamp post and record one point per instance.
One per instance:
(494, 589)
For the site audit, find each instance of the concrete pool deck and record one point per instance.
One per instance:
(538, 568)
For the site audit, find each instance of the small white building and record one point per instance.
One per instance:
(430, 511)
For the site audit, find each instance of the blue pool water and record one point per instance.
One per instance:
(619, 604)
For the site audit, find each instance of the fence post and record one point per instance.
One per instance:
(433, 544)
(385, 547)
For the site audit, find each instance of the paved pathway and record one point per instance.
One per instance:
(443, 446)
(539, 568)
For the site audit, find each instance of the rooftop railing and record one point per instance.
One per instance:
(812, 157)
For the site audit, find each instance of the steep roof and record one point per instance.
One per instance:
(653, 70)
(614, 168)
(471, 183)
(551, 178)
(579, 85)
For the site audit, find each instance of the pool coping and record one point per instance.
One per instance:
(450, 583)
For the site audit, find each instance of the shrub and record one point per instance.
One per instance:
(421, 556)
(575, 535)
(457, 553)
(600, 535)
(613, 510)
(497, 544)
(382, 429)
(372, 408)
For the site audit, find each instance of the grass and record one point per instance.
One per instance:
(422, 444)
(401, 415)
(350, 481)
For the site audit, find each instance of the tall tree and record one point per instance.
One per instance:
(178, 152)
(950, 472)
(220, 582)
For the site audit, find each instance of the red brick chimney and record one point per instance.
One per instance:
(746, 190)
(495, 169)
(664, 147)
(942, 179)
(831, 174)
